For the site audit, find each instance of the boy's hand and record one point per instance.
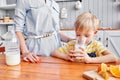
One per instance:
(68, 57)
(76, 56)
(80, 56)
(87, 59)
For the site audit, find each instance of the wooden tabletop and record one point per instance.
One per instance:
(49, 68)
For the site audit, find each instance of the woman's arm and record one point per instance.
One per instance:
(23, 46)
(27, 56)
(64, 38)
(19, 19)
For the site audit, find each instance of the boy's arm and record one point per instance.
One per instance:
(107, 57)
(59, 55)
(63, 52)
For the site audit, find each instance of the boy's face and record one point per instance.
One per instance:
(88, 35)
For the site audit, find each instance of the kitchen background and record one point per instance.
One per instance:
(108, 11)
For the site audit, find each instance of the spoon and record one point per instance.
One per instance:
(1, 44)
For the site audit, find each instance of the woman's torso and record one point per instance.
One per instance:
(41, 18)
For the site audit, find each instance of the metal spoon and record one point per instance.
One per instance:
(1, 43)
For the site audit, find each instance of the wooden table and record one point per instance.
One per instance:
(48, 69)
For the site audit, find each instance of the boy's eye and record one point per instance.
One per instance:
(78, 35)
(87, 35)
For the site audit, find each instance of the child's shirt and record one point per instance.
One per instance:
(93, 49)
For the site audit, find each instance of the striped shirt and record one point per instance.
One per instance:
(93, 49)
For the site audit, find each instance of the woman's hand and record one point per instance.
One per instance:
(31, 57)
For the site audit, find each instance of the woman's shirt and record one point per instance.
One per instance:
(36, 18)
(93, 49)
(28, 16)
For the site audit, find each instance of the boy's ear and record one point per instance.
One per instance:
(95, 32)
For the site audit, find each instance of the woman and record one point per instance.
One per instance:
(37, 28)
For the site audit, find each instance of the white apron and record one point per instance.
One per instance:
(43, 21)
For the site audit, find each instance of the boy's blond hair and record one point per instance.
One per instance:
(87, 21)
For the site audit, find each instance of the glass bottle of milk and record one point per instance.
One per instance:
(12, 50)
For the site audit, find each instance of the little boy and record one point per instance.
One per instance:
(86, 27)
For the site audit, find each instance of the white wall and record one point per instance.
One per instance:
(106, 10)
